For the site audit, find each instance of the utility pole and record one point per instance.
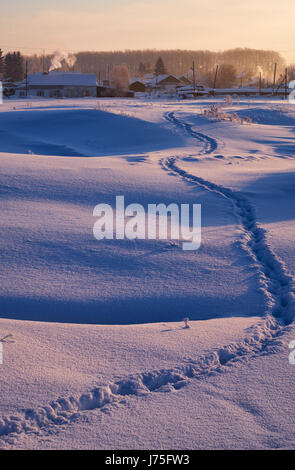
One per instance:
(194, 76)
(274, 79)
(286, 84)
(43, 61)
(26, 78)
(260, 83)
(215, 78)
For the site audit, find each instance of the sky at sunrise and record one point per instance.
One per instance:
(75, 25)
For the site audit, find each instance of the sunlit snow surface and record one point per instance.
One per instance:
(61, 158)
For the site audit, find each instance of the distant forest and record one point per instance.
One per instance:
(236, 66)
(248, 62)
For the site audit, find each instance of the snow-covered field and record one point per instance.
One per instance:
(100, 357)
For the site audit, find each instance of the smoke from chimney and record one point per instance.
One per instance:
(59, 58)
(259, 70)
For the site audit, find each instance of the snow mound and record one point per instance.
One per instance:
(264, 338)
(80, 132)
(270, 117)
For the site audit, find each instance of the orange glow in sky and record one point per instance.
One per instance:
(143, 24)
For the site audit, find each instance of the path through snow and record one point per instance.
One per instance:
(264, 338)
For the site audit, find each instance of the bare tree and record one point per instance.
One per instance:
(120, 77)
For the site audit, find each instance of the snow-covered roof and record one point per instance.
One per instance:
(156, 80)
(135, 80)
(183, 78)
(62, 79)
(191, 88)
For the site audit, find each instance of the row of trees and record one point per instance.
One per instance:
(236, 66)
(178, 62)
(224, 75)
(12, 66)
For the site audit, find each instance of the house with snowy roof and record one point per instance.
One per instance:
(138, 86)
(61, 85)
(164, 82)
(184, 80)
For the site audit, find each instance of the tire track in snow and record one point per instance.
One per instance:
(263, 338)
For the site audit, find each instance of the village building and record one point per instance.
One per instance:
(59, 85)
(163, 82)
(184, 80)
(192, 91)
(137, 86)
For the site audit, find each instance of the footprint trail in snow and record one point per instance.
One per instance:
(264, 338)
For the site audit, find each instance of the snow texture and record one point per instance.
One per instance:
(225, 382)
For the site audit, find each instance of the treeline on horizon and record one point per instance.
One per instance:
(238, 66)
(177, 62)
